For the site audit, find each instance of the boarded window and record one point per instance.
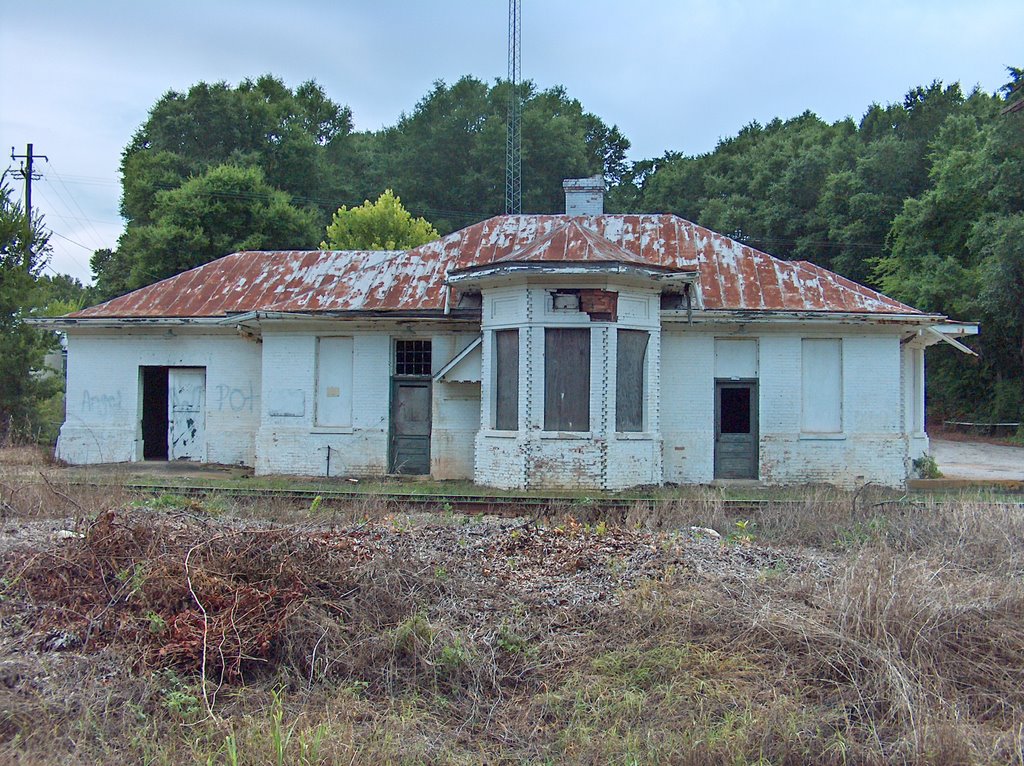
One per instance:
(506, 380)
(412, 357)
(334, 382)
(629, 380)
(822, 389)
(566, 379)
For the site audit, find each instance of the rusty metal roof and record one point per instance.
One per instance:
(572, 242)
(732, 276)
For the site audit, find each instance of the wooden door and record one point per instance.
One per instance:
(736, 432)
(186, 419)
(410, 426)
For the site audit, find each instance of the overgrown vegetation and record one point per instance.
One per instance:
(26, 394)
(238, 632)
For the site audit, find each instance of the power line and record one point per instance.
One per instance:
(95, 233)
(73, 242)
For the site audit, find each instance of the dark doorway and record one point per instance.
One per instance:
(736, 432)
(154, 413)
(410, 426)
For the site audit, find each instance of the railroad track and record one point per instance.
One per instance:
(506, 505)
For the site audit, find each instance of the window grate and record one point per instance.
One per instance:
(412, 357)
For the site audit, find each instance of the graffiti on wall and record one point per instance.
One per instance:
(235, 399)
(101, 404)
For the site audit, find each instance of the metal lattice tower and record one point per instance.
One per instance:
(514, 137)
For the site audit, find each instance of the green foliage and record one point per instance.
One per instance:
(261, 123)
(925, 467)
(958, 249)
(216, 169)
(157, 624)
(922, 199)
(448, 155)
(742, 533)
(225, 209)
(24, 388)
(183, 206)
(179, 698)
(380, 225)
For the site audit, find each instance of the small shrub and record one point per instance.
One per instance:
(925, 467)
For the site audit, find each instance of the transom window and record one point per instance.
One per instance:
(412, 357)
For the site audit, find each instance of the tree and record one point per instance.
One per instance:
(447, 158)
(24, 251)
(227, 208)
(287, 150)
(380, 225)
(957, 250)
(263, 123)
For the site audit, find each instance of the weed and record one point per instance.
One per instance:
(134, 577)
(453, 657)
(925, 467)
(413, 633)
(157, 624)
(178, 698)
(508, 640)
(742, 533)
(862, 533)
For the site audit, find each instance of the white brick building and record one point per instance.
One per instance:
(584, 350)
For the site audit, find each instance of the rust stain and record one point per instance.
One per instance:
(732, 276)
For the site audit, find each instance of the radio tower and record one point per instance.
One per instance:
(514, 138)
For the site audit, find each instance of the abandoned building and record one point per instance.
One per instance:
(582, 350)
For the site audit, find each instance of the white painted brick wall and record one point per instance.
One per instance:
(104, 403)
(455, 413)
(296, 444)
(598, 459)
(104, 398)
(688, 405)
(873, 446)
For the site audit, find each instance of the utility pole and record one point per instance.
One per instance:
(514, 138)
(28, 174)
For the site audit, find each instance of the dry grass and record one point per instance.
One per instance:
(363, 634)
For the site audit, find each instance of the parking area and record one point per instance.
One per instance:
(978, 460)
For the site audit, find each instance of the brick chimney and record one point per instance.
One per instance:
(584, 196)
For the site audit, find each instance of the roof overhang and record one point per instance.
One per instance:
(432, 315)
(947, 332)
(492, 271)
(719, 316)
(79, 323)
(473, 344)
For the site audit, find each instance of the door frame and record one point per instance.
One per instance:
(750, 384)
(419, 382)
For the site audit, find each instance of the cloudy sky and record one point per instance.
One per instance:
(79, 76)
